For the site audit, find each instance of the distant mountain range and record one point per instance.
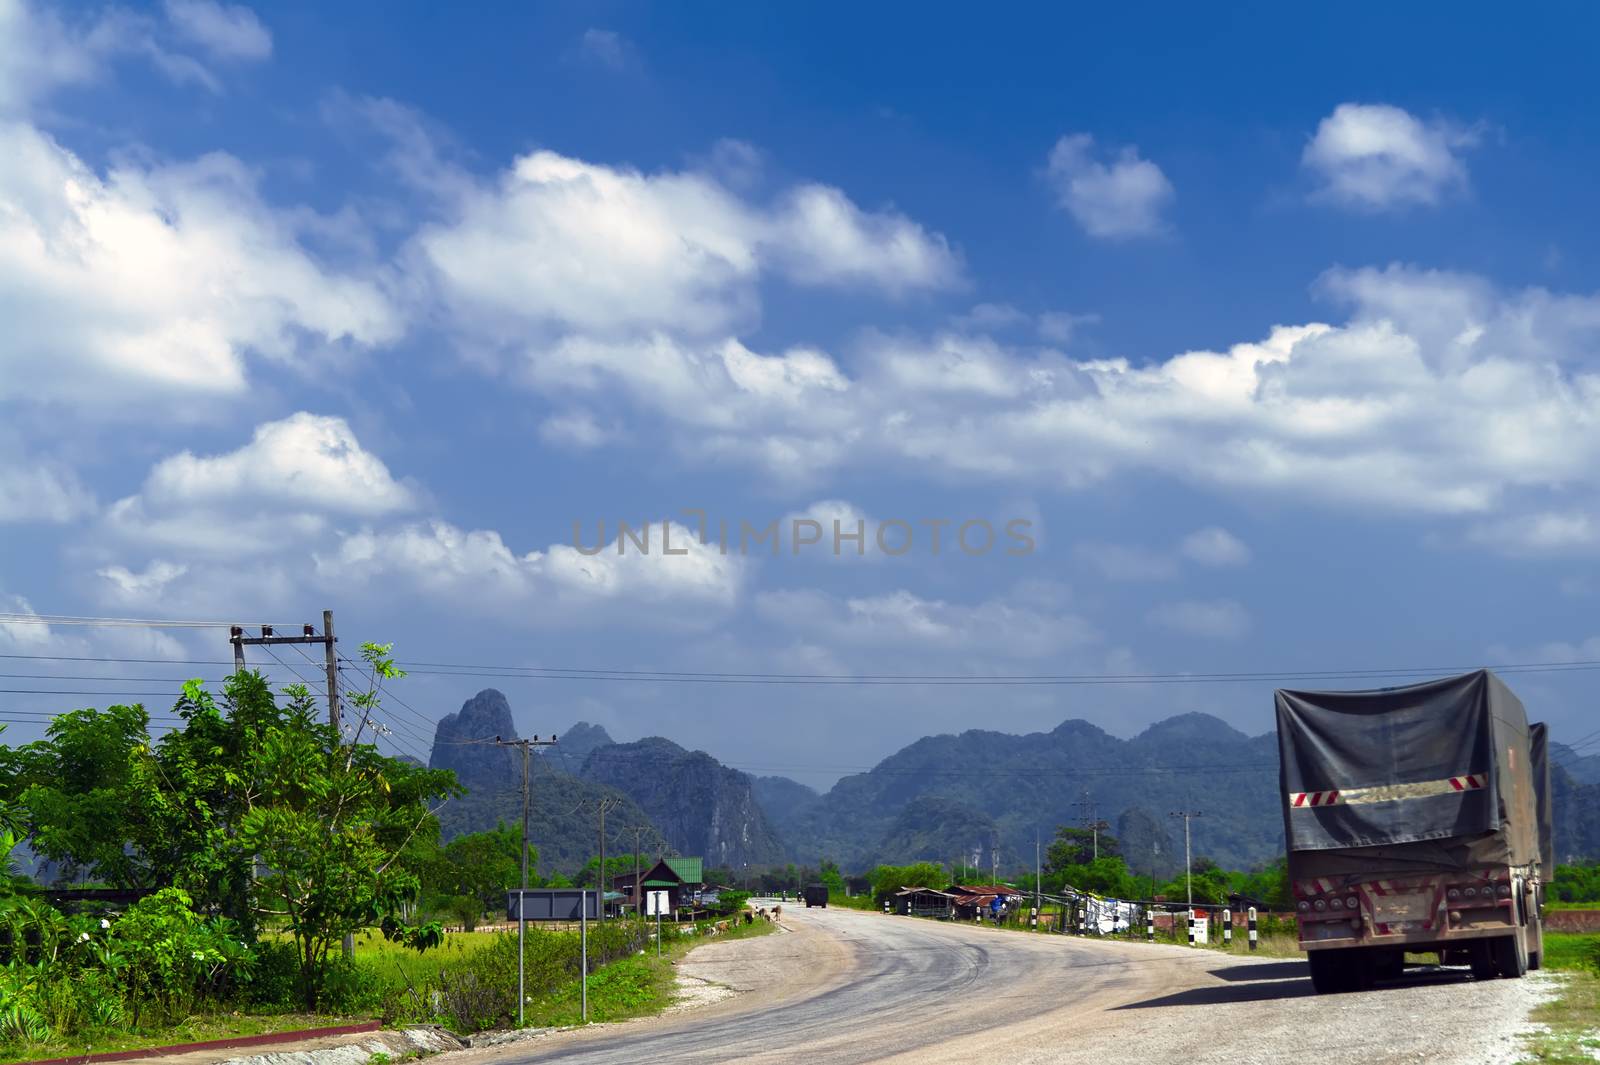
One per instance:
(981, 798)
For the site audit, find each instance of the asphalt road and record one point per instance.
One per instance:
(849, 987)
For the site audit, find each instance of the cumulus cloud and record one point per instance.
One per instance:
(1214, 546)
(145, 586)
(39, 53)
(903, 620)
(558, 246)
(476, 569)
(34, 489)
(98, 280)
(1221, 619)
(226, 31)
(283, 485)
(1376, 157)
(1119, 198)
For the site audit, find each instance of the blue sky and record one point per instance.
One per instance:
(1278, 330)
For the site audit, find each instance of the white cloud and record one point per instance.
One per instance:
(1122, 198)
(474, 569)
(818, 237)
(1222, 619)
(40, 490)
(226, 31)
(283, 486)
(1125, 562)
(38, 54)
(904, 620)
(575, 429)
(98, 280)
(141, 587)
(1542, 533)
(561, 246)
(1375, 157)
(1214, 546)
(606, 47)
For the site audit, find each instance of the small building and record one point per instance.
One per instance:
(924, 902)
(973, 900)
(683, 879)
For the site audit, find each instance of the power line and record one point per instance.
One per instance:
(509, 672)
(12, 618)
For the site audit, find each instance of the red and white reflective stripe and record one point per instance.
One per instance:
(1313, 798)
(1423, 789)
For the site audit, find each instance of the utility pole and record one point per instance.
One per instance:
(308, 635)
(638, 888)
(1092, 822)
(1037, 867)
(527, 746)
(1188, 882)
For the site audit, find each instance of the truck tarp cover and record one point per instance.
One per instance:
(1400, 760)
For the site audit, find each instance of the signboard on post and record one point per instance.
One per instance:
(552, 904)
(655, 903)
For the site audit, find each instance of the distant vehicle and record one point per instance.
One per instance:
(816, 895)
(1417, 819)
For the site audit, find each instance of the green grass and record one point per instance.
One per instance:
(1571, 951)
(1572, 1020)
(193, 1030)
(632, 987)
(393, 961)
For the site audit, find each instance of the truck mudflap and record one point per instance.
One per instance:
(1383, 911)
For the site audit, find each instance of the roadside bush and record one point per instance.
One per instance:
(273, 978)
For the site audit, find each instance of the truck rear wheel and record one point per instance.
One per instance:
(1481, 955)
(1328, 972)
(1511, 955)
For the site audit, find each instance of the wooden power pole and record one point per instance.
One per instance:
(527, 746)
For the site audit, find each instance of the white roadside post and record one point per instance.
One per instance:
(583, 951)
(1150, 925)
(1227, 927)
(1252, 917)
(1191, 927)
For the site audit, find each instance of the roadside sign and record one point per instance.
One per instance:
(1201, 924)
(552, 904)
(655, 903)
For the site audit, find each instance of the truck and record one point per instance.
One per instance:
(1416, 820)
(816, 895)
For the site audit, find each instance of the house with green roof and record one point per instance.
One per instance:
(682, 879)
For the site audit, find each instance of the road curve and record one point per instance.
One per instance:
(845, 987)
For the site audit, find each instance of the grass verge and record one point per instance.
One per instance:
(1569, 1032)
(199, 1029)
(640, 986)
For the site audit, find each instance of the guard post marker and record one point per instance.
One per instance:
(1083, 918)
(1150, 925)
(1191, 927)
(1252, 919)
(1227, 927)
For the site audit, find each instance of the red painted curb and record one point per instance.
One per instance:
(213, 1044)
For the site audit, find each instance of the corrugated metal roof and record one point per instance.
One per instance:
(689, 870)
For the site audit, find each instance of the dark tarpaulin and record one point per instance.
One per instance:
(1539, 750)
(1417, 737)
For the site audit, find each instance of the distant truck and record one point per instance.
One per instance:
(1417, 819)
(816, 895)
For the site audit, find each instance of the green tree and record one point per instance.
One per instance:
(481, 865)
(831, 878)
(1077, 846)
(330, 826)
(887, 879)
